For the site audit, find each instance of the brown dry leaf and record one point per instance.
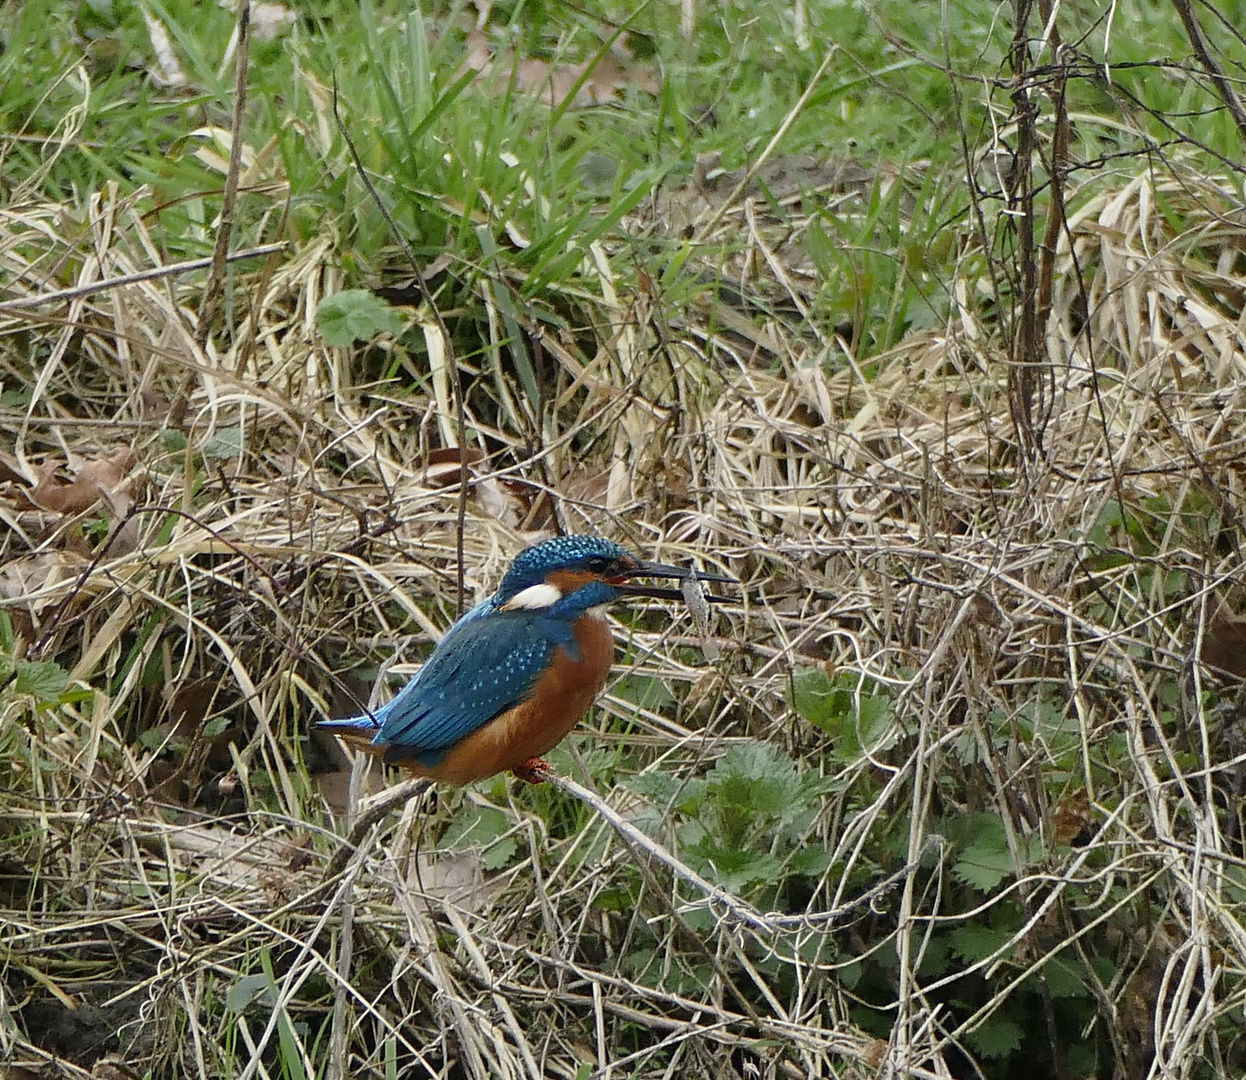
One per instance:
(10, 475)
(334, 786)
(1073, 817)
(443, 464)
(479, 52)
(457, 878)
(607, 77)
(21, 579)
(1224, 646)
(581, 484)
(498, 502)
(95, 481)
(442, 469)
(218, 852)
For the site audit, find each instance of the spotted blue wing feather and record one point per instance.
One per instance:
(481, 668)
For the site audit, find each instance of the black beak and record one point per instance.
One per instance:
(662, 570)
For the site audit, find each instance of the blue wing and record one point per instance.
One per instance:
(488, 662)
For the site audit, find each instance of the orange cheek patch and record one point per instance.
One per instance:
(567, 581)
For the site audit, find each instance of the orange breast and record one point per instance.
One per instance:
(561, 696)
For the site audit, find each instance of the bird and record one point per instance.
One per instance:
(514, 675)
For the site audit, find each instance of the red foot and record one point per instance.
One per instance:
(534, 770)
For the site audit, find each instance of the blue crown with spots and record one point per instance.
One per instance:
(562, 553)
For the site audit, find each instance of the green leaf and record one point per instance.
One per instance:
(482, 827)
(996, 1038)
(936, 957)
(1065, 978)
(173, 440)
(1104, 968)
(736, 870)
(810, 861)
(215, 726)
(356, 315)
(844, 708)
(499, 854)
(245, 991)
(225, 444)
(755, 760)
(983, 866)
(974, 941)
(758, 779)
(644, 691)
(850, 974)
(816, 698)
(46, 679)
(615, 899)
(654, 785)
(985, 861)
(151, 739)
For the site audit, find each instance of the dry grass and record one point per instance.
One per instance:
(283, 518)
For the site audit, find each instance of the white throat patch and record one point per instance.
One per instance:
(534, 598)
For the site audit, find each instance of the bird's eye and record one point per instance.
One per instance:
(598, 564)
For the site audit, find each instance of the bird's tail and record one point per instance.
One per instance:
(355, 728)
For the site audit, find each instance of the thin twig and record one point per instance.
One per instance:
(60, 296)
(225, 227)
(372, 811)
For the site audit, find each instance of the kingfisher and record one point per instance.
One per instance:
(514, 675)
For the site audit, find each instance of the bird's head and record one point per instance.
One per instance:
(590, 568)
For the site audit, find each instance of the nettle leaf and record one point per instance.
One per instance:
(690, 833)
(1060, 729)
(644, 691)
(760, 780)
(986, 861)
(46, 679)
(983, 865)
(355, 315)
(475, 827)
(844, 707)
(654, 785)
(1065, 978)
(1104, 968)
(736, 870)
(483, 827)
(762, 796)
(996, 1038)
(816, 698)
(974, 941)
(871, 730)
(936, 957)
(499, 854)
(755, 760)
(649, 819)
(874, 714)
(225, 444)
(811, 861)
(661, 789)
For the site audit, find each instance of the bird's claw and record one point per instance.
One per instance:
(534, 771)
